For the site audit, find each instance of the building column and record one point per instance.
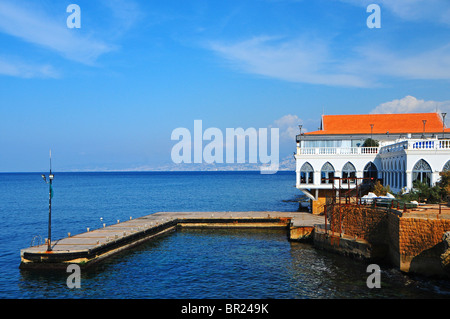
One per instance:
(317, 178)
(435, 178)
(359, 174)
(317, 206)
(409, 180)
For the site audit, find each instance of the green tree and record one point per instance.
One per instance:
(444, 185)
(422, 192)
(381, 190)
(370, 143)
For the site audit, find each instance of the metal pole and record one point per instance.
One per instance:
(424, 122)
(50, 177)
(443, 125)
(49, 247)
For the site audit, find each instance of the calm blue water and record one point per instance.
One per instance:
(185, 264)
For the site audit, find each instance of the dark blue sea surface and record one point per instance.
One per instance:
(236, 264)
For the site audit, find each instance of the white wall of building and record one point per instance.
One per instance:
(395, 163)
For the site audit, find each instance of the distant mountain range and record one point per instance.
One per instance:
(286, 164)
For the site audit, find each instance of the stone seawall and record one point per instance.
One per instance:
(411, 240)
(420, 244)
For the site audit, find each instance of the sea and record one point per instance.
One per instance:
(186, 264)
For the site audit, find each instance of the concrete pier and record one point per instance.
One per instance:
(88, 248)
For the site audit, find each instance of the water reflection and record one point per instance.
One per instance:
(228, 264)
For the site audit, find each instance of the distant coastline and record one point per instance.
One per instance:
(287, 164)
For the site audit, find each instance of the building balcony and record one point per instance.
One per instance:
(337, 150)
(410, 144)
(417, 144)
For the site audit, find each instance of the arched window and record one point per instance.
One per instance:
(307, 174)
(370, 172)
(327, 173)
(422, 172)
(447, 166)
(348, 173)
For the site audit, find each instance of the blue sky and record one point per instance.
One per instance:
(108, 95)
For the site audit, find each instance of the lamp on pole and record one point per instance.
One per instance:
(50, 195)
(443, 124)
(299, 137)
(424, 122)
(371, 131)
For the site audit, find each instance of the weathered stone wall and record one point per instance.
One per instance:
(445, 257)
(421, 244)
(324, 196)
(392, 239)
(361, 222)
(413, 242)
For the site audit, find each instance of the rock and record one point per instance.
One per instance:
(445, 257)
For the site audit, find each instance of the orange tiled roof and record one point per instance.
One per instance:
(382, 123)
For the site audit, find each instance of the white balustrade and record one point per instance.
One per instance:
(417, 144)
(337, 150)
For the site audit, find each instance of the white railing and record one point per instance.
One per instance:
(444, 144)
(429, 144)
(417, 144)
(436, 144)
(337, 150)
(394, 147)
(423, 145)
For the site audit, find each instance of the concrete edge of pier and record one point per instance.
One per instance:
(94, 246)
(346, 245)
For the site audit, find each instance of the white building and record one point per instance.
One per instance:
(411, 147)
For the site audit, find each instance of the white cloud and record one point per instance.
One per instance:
(25, 70)
(288, 126)
(314, 62)
(378, 61)
(34, 26)
(125, 13)
(297, 60)
(436, 11)
(410, 104)
(369, 63)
